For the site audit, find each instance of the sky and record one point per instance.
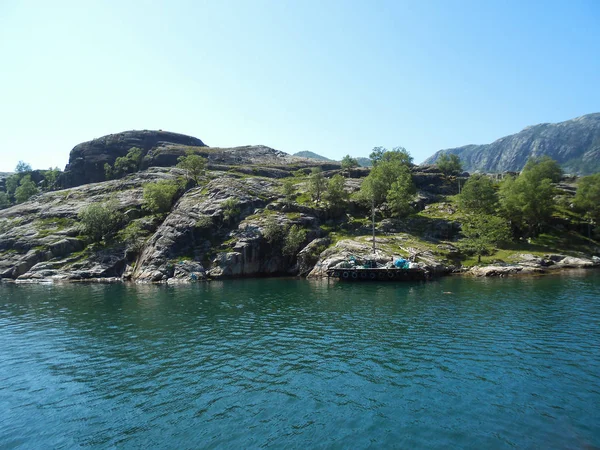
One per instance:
(332, 77)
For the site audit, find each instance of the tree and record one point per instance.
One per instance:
(336, 195)
(124, 164)
(478, 195)
(587, 197)
(449, 164)
(51, 177)
(348, 162)
(527, 201)
(316, 185)
(289, 190)
(159, 196)
(398, 154)
(4, 200)
(401, 193)
(23, 167)
(376, 185)
(543, 167)
(194, 165)
(376, 155)
(483, 232)
(26, 189)
(12, 183)
(101, 220)
(293, 240)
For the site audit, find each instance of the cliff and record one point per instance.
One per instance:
(574, 144)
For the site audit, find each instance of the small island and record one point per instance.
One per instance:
(161, 207)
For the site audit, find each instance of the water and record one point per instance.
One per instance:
(297, 364)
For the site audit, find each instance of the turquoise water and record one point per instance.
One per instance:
(296, 364)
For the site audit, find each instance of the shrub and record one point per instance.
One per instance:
(293, 240)
(231, 209)
(100, 220)
(159, 196)
(273, 231)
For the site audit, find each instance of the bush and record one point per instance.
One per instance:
(231, 209)
(100, 220)
(273, 231)
(293, 240)
(134, 236)
(159, 196)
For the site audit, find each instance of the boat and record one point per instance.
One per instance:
(371, 270)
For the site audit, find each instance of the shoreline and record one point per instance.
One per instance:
(511, 271)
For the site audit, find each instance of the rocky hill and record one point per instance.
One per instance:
(233, 223)
(575, 144)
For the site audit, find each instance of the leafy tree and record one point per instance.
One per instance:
(348, 162)
(231, 209)
(316, 184)
(478, 195)
(527, 201)
(401, 193)
(449, 164)
(289, 190)
(124, 164)
(398, 154)
(194, 165)
(26, 189)
(336, 196)
(12, 183)
(587, 197)
(23, 167)
(51, 177)
(376, 155)
(101, 220)
(159, 196)
(543, 167)
(108, 171)
(483, 232)
(376, 185)
(293, 240)
(4, 200)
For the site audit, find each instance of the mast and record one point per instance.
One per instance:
(373, 220)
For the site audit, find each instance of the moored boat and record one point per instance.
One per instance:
(400, 270)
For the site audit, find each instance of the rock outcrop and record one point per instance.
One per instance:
(86, 160)
(532, 264)
(575, 144)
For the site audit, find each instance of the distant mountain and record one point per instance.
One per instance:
(311, 155)
(575, 144)
(364, 162)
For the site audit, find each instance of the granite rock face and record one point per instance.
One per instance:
(575, 144)
(86, 160)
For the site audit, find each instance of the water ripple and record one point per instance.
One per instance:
(293, 364)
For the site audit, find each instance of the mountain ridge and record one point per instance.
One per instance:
(574, 144)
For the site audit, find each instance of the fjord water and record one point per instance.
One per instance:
(469, 363)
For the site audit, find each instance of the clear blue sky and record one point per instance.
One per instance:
(332, 77)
